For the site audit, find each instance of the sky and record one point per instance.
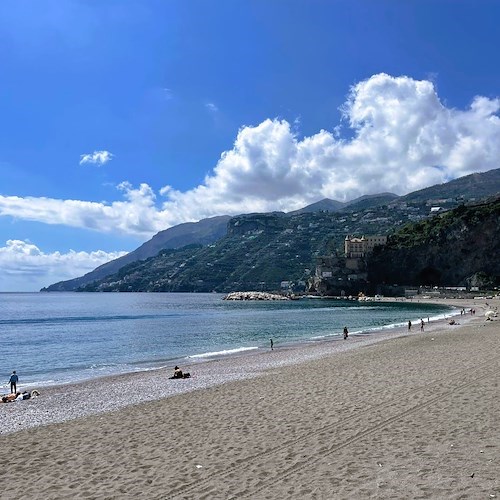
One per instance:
(122, 118)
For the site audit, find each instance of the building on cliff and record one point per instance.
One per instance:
(348, 273)
(359, 247)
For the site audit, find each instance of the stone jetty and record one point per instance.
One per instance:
(254, 296)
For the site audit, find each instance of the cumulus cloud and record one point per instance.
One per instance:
(26, 268)
(401, 138)
(96, 158)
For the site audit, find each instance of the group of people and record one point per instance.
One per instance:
(422, 323)
(16, 395)
(19, 396)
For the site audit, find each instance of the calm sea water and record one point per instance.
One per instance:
(52, 338)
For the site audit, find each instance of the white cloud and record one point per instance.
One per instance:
(96, 158)
(26, 268)
(136, 215)
(211, 107)
(168, 94)
(401, 133)
(403, 139)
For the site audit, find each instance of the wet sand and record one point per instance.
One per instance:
(391, 415)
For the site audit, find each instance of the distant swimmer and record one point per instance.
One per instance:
(346, 332)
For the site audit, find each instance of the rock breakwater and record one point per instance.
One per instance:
(254, 296)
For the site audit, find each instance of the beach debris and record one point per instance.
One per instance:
(472, 475)
(481, 451)
(198, 466)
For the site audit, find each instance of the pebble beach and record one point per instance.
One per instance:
(395, 414)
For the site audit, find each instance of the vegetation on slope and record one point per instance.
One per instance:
(457, 248)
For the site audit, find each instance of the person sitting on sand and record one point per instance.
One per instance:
(179, 374)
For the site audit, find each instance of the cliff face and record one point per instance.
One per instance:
(458, 248)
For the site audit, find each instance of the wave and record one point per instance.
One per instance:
(226, 352)
(390, 326)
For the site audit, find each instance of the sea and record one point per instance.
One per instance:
(57, 338)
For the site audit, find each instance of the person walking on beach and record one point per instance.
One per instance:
(272, 344)
(409, 325)
(346, 332)
(14, 379)
(421, 324)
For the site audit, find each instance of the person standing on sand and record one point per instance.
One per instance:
(421, 325)
(272, 344)
(409, 325)
(346, 332)
(14, 379)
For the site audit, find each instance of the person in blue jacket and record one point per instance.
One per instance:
(14, 379)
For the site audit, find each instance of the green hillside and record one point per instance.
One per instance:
(261, 251)
(461, 247)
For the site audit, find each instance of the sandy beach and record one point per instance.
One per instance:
(396, 415)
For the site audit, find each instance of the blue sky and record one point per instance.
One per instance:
(122, 118)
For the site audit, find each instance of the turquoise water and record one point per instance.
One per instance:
(52, 338)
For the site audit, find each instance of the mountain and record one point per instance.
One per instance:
(460, 247)
(203, 232)
(473, 186)
(264, 252)
(259, 251)
(361, 203)
(369, 201)
(325, 205)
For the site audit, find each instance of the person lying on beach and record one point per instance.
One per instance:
(28, 395)
(178, 373)
(20, 396)
(10, 397)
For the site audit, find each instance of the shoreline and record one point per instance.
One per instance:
(412, 415)
(60, 403)
(195, 359)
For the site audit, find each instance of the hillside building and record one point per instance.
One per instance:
(336, 273)
(358, 247)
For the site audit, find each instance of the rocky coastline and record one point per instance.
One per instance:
(255, 296)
